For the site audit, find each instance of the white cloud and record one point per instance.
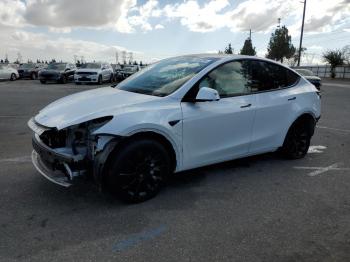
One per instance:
(11, 13)
(43, 47)
(197, 18)
(159, 26)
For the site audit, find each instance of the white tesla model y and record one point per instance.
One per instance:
(177, 114)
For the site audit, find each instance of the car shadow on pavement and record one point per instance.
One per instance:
(179, 192)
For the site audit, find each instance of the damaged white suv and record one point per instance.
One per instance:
(177, 114)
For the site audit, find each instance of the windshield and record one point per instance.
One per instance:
(166, 76)
(91, 66)
(27, 66)
(56, 66)
(305, 72)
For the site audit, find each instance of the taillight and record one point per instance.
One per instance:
(318, 92)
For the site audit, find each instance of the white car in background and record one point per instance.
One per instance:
(8, 73)
(177, 114)
(94, 73)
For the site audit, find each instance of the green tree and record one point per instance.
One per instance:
(280, 45)
(229, 49)
(334, 58)
(248, 48)
(346, 54)
(292, 61)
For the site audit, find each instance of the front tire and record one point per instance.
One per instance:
(43, 81)
(137, 171)
(13, 77)
(64, 79)
(99, 80)
(297, 141)
(33, 76)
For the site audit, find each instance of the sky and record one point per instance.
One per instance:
(152, 30)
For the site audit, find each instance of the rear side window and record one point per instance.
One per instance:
(268, 76)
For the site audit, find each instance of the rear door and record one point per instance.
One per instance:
(216, 131)
(276, 95)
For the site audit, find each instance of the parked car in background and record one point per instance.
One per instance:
(8, 73)
(116, 70)
(29, 70)
(57, 72)
(126, 71)
(178, 114)
(94, 73)
(311, 77)
(14, 66)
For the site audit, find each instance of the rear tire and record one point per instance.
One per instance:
(43, 81)
(137, 171)
(297, 141)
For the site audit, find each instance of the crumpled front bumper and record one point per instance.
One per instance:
(54, 165)
(56, 177)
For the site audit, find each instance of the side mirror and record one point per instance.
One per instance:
(207, 94)
(103, 68)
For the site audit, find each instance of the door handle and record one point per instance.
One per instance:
(248, 105)
(293, 98)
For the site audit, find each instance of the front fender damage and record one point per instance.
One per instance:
(64, 155)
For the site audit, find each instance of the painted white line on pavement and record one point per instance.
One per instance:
(21, 159)
(316, 149)
(321, 170)
(337, 85)
(335, 129)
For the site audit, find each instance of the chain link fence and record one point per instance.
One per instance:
(325, 70)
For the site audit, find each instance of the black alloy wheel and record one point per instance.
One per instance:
(297, 141)
(139, 170)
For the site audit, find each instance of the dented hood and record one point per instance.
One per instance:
(88, 105)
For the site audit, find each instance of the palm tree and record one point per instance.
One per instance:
(334, 58)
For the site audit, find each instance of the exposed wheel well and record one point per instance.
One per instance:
(147, 135)
(306, 119)
(161, 139)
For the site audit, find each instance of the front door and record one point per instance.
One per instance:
(219, 130)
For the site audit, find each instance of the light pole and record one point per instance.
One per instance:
(301, 35)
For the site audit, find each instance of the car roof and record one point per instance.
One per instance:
(227, 57)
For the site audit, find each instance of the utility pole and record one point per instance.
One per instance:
(250, 34)
(301, 35)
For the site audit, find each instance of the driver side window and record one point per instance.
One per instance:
(230, 79)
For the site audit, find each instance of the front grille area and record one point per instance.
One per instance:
(49, 76)
(86, 73)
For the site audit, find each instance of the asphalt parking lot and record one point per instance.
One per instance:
(261, 208)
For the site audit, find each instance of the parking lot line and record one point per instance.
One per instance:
(21, 159)
(321, 170)
(335, 129)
